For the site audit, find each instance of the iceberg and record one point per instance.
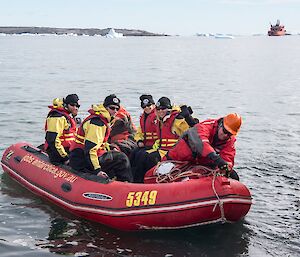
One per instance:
(224, 36)
(113, 34)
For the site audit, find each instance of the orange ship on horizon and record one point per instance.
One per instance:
(277, 30)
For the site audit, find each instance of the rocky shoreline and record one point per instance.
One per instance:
(75, 31)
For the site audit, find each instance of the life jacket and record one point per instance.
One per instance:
(68, 134)
(122, 126)
(148, 125)
(225, 148)
(167, 139)
(80, 135)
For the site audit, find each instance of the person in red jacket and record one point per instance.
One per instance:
(90, 152)
(60, 128)
(210, 143)
(122, 127)
(146, 134)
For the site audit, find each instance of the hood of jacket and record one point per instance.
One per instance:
(100, 109)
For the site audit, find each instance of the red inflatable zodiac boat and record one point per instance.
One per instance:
(188, 201)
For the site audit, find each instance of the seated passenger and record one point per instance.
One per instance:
(122, 131)
(210, 143)
(146, 134)
(60, 128)
(170, 126)
(90, 151)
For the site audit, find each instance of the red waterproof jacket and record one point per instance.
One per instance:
(205, 141)
(148, 127)
(167, 139)
(122, 126)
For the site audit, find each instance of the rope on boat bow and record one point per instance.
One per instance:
(223, 218)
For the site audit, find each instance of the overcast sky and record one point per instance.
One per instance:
(182, 17)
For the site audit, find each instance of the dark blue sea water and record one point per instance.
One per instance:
(257, 77)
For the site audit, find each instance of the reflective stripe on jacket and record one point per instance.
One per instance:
(81, 137)
(92, 137)
(170, 129)
(60, 130)
(147, 130)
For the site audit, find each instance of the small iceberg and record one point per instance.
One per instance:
(113, 34)
(224, 36)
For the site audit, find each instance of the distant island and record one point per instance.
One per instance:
(76, 31)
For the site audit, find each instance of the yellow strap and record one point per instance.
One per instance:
(81, 137)
(167, 144)
(162, 153)
(151, 150)
(69, 139)
(79, 142)
(69, 134)
(151, 137)
(169, 140)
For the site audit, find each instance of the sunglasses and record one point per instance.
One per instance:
(114, 108)
(148, 105)
(225, 131)
(161, 108)
(75, 104)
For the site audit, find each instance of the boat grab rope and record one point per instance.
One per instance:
(182, 171)
(220, 203)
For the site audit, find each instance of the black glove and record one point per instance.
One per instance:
(219, 162)
(185, 111)
(224, 166)
(191, 121)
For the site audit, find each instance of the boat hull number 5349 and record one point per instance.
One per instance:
(141, 198)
